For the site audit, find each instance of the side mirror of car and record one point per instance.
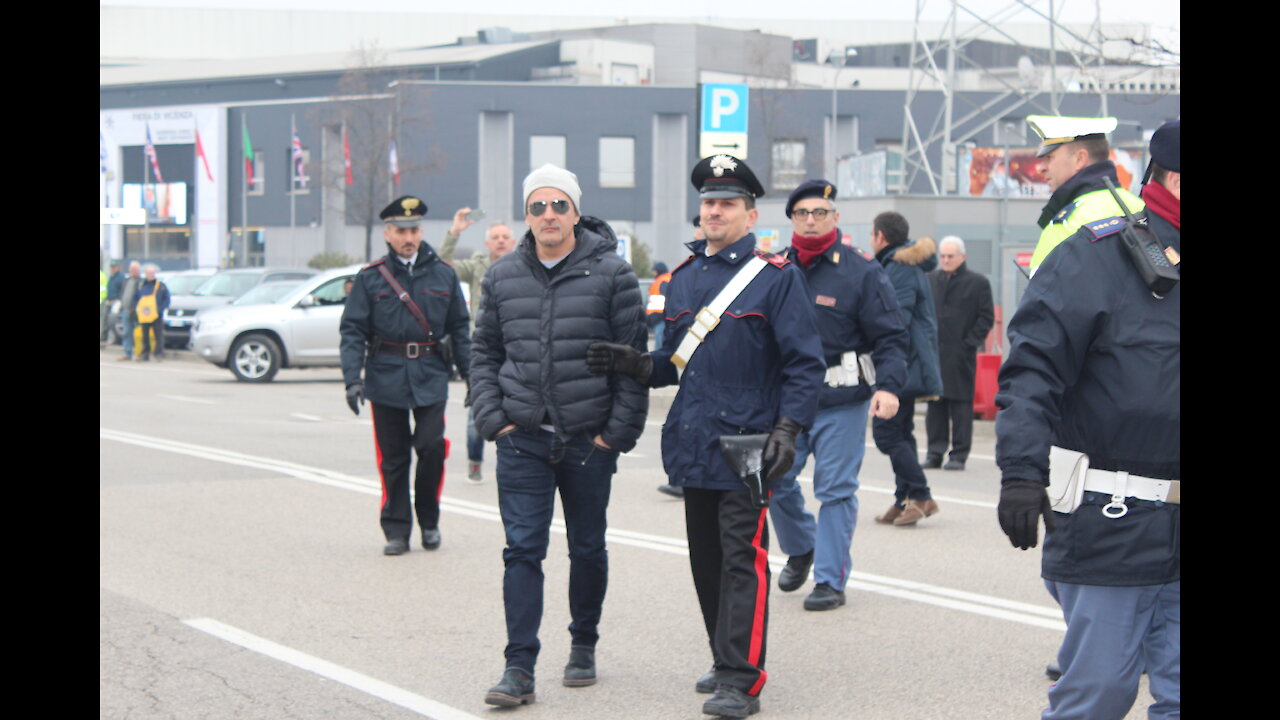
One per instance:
(308, 301)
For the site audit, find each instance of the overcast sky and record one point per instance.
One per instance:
(1163, 13)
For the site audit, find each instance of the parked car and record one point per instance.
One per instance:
(276, 325)
(179, 282)
(219, 289)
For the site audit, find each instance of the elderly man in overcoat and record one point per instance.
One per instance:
(965, 312)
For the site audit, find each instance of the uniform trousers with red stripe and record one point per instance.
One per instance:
(729, 556)
(396, 444)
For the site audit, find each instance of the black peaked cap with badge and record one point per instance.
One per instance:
(406, 211)
(811, 188)
(725, 176)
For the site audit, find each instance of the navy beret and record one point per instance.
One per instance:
(1166, 146)
(811, 188)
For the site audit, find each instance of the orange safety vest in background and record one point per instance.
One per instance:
(657, 299)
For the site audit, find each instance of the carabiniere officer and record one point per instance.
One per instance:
(397, 336)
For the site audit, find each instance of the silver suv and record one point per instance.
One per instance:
(276, 325)
(220, 289)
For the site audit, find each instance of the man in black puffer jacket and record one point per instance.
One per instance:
(556, 426)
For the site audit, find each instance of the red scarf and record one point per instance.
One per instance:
(809, 248)
(1163, 203)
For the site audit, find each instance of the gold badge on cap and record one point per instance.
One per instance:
(720, 163)
(1174, 257)
(409, 204)
(826, 193)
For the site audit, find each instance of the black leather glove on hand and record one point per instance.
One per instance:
(355, 396)
(1022, 502)
(603, 357)
(466, 380)
(780, 449)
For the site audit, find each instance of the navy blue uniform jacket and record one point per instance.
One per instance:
(374, 310)
(1094, 367)
(763, 361)
(856, 310)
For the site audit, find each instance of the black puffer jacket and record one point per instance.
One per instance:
(530, 343)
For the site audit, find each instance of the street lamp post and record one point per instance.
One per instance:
(840, 61)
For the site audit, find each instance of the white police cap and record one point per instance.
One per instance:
(1055, 130)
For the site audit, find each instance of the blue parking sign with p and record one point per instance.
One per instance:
(724, 108)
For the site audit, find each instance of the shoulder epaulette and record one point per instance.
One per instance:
(772, 259)
(1104, 227)
(375, 263)
(1064, 213)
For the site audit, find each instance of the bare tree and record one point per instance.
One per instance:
(370, 107)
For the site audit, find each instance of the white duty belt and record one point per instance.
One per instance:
(708, 317)
(1070, 476)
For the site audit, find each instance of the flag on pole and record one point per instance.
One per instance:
(248, 155)
(395, 165)
(151, 155)
(298, 180)
(200, 154)
(346, 156)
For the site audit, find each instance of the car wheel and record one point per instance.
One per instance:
(254, 358)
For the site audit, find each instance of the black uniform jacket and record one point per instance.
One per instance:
(373, 310)
(1094, 366)
(857, 309)
(966, 312)
(532, 337)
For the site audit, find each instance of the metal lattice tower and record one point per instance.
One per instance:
(935, 62)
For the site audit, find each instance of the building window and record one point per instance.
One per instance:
(894, 178)
(545, 149)
(787, 166)
(617, 162)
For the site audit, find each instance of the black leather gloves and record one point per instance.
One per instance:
(780, 448)
(355, 396)
(603, 357)
(1022, 502)
(466, 381)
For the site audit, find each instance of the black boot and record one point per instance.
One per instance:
(581, 670)
(796, 572)
(515, 688)
(731, 702)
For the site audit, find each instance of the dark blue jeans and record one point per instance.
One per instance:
(532, 466)
(896, 438)
(475, 441)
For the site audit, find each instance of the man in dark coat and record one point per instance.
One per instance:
(906, 264)
(396, 340)
(1088, 435)
(557, 427)
(966, 313)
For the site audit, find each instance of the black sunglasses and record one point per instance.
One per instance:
(561, 207)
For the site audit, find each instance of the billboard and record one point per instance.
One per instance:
(166, 203)
(987, 172)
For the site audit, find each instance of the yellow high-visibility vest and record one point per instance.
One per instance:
(1096, 205)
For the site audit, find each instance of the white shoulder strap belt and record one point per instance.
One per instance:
(708, 317)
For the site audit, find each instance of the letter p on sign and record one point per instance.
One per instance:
(723, 102)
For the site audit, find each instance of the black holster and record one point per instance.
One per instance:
(745, 454)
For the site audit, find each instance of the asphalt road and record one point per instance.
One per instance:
(241, 576)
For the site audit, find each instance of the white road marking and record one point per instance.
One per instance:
(1025, 613)
(392, 694)
(308, 418)
(188, 398)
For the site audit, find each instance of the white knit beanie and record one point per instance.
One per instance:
(554, 177)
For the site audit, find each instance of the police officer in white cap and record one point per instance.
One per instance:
(1074, 158)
